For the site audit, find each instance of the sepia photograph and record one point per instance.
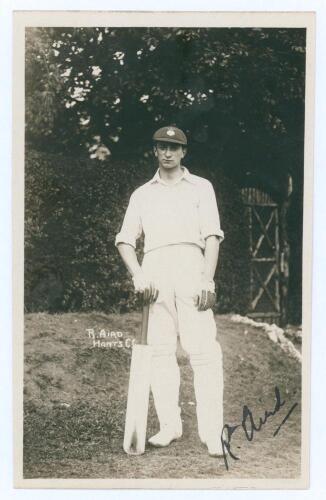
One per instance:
(163, 180)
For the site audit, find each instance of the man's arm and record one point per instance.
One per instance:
(212, 233)
(129, 257)
(206, 294)
(211, 257)
(141, 283)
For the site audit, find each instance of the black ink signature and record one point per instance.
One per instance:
(250, 427)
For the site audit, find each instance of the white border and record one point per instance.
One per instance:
(318, 485)
(124, 19)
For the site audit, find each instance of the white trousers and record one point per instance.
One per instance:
(177, 271)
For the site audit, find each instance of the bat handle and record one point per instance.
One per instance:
(144, 324)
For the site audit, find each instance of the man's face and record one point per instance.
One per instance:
(169, 154)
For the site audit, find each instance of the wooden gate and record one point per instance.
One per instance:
(265, 256)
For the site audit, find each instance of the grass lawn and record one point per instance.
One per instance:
(75, 400)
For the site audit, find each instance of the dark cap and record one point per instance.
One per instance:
(170, 134)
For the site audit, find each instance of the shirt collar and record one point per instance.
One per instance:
(186, 175)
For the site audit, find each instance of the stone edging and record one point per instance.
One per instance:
(274, 333)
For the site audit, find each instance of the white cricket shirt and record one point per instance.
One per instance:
(168, 214)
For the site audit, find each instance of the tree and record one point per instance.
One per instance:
(239, 92)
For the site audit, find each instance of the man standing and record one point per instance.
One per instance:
(178, 214)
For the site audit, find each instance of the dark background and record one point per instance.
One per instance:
(94, 96)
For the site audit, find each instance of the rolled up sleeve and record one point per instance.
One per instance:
(209, 214)
(131, 228)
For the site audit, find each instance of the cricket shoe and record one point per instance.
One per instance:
(165, 436)
(214, 447)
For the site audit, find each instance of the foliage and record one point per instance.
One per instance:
(238, 92)
(73, 211)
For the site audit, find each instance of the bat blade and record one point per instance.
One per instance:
(138, 399)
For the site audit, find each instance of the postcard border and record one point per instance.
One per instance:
(24, 19)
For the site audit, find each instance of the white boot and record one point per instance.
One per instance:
(165, 436)
(215, 448)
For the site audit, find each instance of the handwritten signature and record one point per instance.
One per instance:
(250, 427)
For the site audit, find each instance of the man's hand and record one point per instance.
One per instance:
(145, 286)
(206, 296)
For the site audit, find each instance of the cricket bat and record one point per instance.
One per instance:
(138, 392)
